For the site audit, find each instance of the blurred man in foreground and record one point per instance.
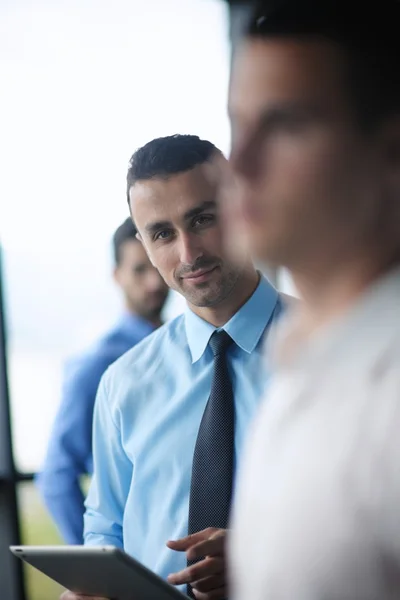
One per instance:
(172, 414)
(69, 454)
(315, 110)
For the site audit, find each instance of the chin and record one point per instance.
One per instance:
(152, 310)
(203, 300)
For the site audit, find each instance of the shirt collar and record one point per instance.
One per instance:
(373, 316)
(245, 327)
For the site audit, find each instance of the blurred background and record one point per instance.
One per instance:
(83, 84)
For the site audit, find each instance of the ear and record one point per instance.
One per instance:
(151, 260)
(117, 275)
(390, 139)
(390, 136)
(391, 149)
(139, 237)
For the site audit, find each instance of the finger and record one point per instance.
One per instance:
(218, 594)
(209, 583)
(68, 596)
(204, 568)
(214, 546)
(72, 596)
(190, 540)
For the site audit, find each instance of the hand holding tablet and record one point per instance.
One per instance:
(71, 596)
(97, 573)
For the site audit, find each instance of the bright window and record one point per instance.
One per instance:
(84, 83)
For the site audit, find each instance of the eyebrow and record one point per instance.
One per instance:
(285, 108)
(298, 109)
(152, 228)
(195, 212)
(157, 226)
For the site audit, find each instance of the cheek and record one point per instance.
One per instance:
(213, 239)
(300, 173)
(164, 260)
(133, 282)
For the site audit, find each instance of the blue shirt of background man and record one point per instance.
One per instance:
(69, 453)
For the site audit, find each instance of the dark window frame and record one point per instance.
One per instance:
(11, 568)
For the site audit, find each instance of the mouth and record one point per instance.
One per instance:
(200, 276)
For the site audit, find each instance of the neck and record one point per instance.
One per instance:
(225, 310)
(156, 321)
(331, 290)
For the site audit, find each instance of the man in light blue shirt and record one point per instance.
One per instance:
(151, 402)
(69, 453)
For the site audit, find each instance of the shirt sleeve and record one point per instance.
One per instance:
(106, 501)
(69, 452)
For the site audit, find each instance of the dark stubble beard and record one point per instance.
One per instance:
(212, 294)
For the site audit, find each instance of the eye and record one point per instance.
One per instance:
(139, 270)
(287, 122)
(203, 220)
(165, 234)
(291, 124)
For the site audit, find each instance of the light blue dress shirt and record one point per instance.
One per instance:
(69, 453)
(147, 416)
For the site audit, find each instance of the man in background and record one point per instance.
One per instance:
(69, 454)
(315, 109)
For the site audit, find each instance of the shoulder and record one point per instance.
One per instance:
(87, 366)
(81, 366)
(147, 352)
(383, 386)
(112, 340)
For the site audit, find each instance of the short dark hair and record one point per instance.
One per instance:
(167, 156)
(367, 32)
(125, 232)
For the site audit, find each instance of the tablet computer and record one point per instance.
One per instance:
(103, 571)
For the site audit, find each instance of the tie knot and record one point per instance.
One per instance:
(220, 342)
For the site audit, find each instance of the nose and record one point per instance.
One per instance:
(189, 249)
(244, 158)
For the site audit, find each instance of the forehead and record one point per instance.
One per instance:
(169, 199)
(272, 71)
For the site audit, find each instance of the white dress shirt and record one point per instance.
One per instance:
(318, 506)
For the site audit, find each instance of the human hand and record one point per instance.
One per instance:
(208, 576)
